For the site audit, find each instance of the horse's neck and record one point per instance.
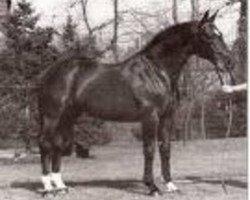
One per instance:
(171, 49)
(172, 61)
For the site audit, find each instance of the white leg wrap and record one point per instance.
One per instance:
(171, 187)
(56, 179)
(46, 181)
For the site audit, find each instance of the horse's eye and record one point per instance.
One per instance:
(207, 37)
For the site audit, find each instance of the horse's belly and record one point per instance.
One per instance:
(110, 97)
(113, 109)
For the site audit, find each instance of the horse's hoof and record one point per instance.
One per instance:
(48, 194)
(171, 187)
(62, 191)
(155, 193)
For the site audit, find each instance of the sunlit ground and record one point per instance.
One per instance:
(115, 172)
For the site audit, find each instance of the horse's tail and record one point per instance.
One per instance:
(35, 109)
(39, 120)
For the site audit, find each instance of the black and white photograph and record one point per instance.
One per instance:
(123, 99)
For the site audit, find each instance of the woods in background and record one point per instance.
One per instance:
(30, 49)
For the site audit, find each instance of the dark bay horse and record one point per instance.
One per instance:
(142, 89)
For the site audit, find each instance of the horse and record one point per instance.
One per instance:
(142, 88)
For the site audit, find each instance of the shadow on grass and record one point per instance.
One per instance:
(229, 182)
(130, 185)
(34, 159)
(23, 161)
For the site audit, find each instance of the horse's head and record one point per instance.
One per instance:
(209, 44)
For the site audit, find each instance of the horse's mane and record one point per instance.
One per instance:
(172, 36)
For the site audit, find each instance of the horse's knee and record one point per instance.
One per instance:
(151, 119)
(149, 150)
(164, 148)
(67, 149)
(57, 142)
(45, 146)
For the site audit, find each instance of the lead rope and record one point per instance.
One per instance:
(227, 133)
(224, 146)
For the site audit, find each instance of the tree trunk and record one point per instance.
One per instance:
(195, 9)
(187, 123)
(175, 12)
(203, 126)
(243, 40)
(85, 16)
(115, 36)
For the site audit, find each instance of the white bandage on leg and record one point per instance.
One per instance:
(171, 187)
(46, 181)
(56, 179)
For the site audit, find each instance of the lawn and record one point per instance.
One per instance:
(115, 171)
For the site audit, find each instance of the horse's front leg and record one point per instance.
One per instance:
(149, 128)
(164, 142)
(45, 151)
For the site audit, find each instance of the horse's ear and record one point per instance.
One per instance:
(212, 18)
(205, 17)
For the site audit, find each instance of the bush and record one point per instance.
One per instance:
(90, 131)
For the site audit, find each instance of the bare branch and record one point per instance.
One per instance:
(115, 31)
(175, 11)
(139, 12)
(103, 25)
(140, 20)
(73, 4)
(85, 16)
(195, 9)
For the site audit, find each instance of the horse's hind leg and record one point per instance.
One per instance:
(46, 161)
(51, 147)
(149, 127)
(46, 150)
(58, 152)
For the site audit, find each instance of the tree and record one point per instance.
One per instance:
(28, 44)
(240, 52)
(28, 52)
(115, 33)
(69, 35)
(175, 12)
(195, 9)
(92, 31)
(240, 46)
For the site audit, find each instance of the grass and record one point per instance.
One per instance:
(115, 172)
